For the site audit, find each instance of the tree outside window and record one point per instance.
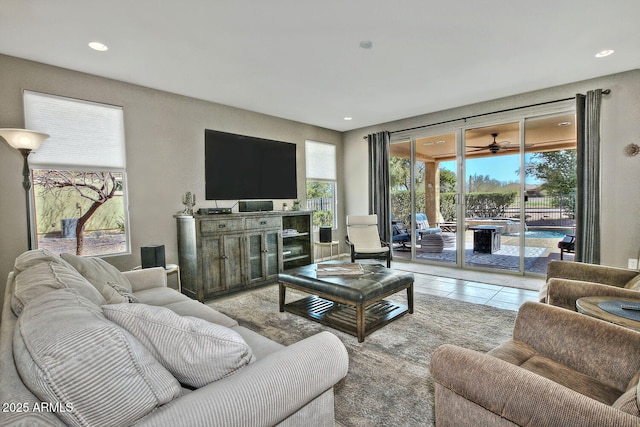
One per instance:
(70, 205)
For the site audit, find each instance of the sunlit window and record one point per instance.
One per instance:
(79, 175)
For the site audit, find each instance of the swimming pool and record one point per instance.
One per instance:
(545, 234)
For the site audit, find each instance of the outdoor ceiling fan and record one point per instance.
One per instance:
(495, 146)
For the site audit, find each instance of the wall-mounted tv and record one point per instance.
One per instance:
(244, 167)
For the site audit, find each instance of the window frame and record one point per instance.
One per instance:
(40, 113)
(322, 177)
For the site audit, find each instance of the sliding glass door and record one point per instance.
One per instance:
(492, 194)
(550, 188)
(424, 198)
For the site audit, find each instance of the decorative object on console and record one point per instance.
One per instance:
(25, 141)
(296, 205)
(189, 201)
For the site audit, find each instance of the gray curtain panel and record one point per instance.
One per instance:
(588, 183)
(379, 198)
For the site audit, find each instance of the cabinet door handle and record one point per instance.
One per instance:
(224, 257)
(265, 250)
(263, 222)
(222, 225)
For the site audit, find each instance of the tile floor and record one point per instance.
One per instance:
(475, 292)
(479, 287)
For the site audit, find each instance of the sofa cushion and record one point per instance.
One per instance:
(46, 276)
(195, 351)
(68, 353)
(633, 284)
(101, 274)
(195, 309)
(527, 357)
(183, 305)
(30, 258)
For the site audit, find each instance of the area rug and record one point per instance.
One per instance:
(507, 258)
(388, 382)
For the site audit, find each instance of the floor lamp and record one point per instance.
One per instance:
(25, 141)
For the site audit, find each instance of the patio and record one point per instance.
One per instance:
(539, 251)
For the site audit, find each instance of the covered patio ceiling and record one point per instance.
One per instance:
(541, 134)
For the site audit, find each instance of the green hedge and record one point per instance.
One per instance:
(479, 205)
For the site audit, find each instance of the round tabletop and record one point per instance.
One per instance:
(590, 307)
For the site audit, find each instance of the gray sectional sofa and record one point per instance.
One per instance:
(84, 344)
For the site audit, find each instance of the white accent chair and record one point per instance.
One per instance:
(363, 239)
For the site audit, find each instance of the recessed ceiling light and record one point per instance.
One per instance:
(427, 143)
(101, 47)
(604, 53)
(348, 118)
(564, 123)
(441, 141)
(366, 44)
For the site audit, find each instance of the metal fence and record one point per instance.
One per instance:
(545, 210)
(320, 204)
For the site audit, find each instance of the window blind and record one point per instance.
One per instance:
(84, 135)
(320, 160)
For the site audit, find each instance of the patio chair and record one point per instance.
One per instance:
(567, 244)
(423, 227)
(363, 239)
(400, 235)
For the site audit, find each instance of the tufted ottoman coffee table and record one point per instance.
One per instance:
(352, 304)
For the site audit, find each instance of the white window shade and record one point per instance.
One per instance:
(320, 160)
(83, 134)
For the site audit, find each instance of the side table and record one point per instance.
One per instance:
(169, 269)
(320, 248)
(590, 306)
(486, 238)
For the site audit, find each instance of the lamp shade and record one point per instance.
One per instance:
(22, 139)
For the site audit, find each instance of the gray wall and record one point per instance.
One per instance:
(165, 147)
(620, 125)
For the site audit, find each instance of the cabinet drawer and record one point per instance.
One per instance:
(264, 222)
(221, 225)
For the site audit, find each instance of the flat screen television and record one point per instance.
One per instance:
(244, 167)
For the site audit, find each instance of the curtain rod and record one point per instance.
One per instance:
(604, 92)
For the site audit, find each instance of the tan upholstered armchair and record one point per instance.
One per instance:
(568, 281)
(363, 239)
(560, 369)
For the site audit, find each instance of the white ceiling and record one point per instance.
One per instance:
(301, 60)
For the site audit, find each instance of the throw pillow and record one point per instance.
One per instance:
(47, 276)
(68, 353)
(633, 284)
(195, 351)
(100, 273)
(125, 293)
(30, 258)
